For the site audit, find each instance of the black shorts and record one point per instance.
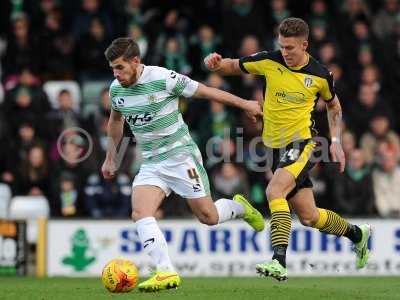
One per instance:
(295, 158)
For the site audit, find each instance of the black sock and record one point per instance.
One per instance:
(353, 233)
(280, 254)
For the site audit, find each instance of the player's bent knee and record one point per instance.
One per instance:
(208, 218)
(309, 220)
(208, 221)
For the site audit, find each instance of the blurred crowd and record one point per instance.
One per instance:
(55, 77)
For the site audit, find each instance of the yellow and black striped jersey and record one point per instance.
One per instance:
(290, 95)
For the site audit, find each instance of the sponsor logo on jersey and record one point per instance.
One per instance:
(293, 97)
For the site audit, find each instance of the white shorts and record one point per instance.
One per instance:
(182, 173)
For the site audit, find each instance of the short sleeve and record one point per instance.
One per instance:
(328, 88)
(180, 85)
(254, 64)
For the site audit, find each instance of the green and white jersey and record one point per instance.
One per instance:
(150, 107)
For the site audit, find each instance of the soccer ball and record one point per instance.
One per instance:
(120, 275)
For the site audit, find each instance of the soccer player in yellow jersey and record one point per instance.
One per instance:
(294, 82)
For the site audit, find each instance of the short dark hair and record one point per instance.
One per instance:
(295, 27)
(125, 47)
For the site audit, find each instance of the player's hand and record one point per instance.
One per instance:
(109, 169)
(338, 154)
(253, 110)
(213, 61)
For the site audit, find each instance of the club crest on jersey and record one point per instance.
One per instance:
(308, 81)
(152, 98)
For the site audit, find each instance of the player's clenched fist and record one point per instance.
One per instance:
(253, 110)
(109, 169)
(213, 61)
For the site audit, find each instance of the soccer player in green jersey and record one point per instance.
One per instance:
(146, 97)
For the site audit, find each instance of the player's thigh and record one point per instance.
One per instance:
(185, 175)
(146, 199)
(282, 182)
(292, 170)
(204, 209)
(303, 204)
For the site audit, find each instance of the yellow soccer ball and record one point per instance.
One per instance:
(120, 275)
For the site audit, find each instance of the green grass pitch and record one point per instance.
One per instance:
(351, 288)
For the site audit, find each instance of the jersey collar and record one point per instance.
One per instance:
(301, 66)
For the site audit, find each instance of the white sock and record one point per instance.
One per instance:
(228, 210)
(154, 243)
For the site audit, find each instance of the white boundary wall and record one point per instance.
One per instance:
(82, 248)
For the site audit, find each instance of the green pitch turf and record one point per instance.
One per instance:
(351, 288)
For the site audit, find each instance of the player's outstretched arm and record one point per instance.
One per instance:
(252, 108)
(224, 66)
(334, 111)
(114, 133)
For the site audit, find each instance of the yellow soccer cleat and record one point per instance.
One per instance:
(251, 215)
(160, 281)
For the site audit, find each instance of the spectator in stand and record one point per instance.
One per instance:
(33, 176)
(91, 63)
(239, 18)
(218, 122)
(67, 205)
(6, 176)
(20, 146)
(173, 57)
(57, 48)
(22, 49)
(386, 183)
(380, 131)
(25, 100)
(391, 55)
(203, 43)
(351, 11)
(321, 177)
(90, 9)
(73, 148)
(136, 12)
(348, 143)
(103, 109)
(39, 13)
(370, 76)
(136, 32)
(353, 191)
(279, 11)
(369, 104)
(172, 30)
(319, 13)
(245, 84)
(342, 87)
(318, 36)
(108, 199)
(64, 116)
(385, 19)
(327, 53)
(22, 108)
(229, 179)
